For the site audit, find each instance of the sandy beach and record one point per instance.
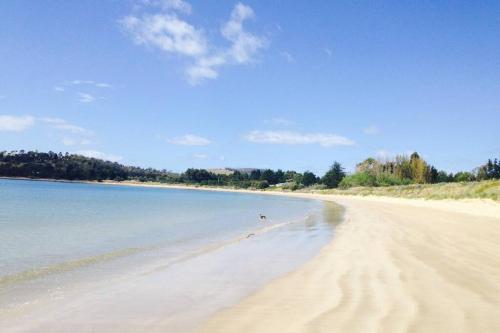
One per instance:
(395, 265)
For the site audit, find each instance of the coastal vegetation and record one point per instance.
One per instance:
(486, 189)
(401, 176)
(52, 165)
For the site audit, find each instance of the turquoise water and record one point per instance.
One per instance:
(44, 223)
(55, 236)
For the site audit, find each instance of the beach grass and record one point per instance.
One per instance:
(486, 189)
(489, 189)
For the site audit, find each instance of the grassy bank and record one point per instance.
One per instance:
(489, 189)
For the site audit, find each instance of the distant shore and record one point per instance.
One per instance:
(484, 190)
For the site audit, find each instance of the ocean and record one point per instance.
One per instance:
(175, 253)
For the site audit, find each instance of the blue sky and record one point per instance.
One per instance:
(281, 84)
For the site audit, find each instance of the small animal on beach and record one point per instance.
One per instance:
(262, 218)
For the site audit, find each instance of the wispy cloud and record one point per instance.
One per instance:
(244, 44)
(328, 51)
(86, 98)
(91, 83)
(3, 97)
(73, 135)
(295, 138)
(63, 125)
(288, 57)
(383, 154)
(166, 32)
(189, 140)
(100, 155)
(15, 123)
(75, 142)
(170, 33)
(372, 130)
(200, 156)
(179, 5)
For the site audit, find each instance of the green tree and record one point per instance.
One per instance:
(418, 169)
(309, 178)
(443, 177)
(464, 176)
(255, 174)
(280, 176)
(333, 176)
(269, 176)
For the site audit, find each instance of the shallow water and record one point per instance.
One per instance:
(173, 254)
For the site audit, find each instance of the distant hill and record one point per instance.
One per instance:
(33, 164)
(230, 171)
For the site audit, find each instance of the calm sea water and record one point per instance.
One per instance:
(55, 236)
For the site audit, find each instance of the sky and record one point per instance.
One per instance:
(173, 84)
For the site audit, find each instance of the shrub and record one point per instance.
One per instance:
(386, 179)
(260, 184)
(370, 180)
(358, 179)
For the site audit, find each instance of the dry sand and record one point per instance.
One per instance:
(395, 265)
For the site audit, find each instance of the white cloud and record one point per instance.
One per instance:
(205, 68)
(173, 35)
(244, 44)
(295, 138)
(91, 83)
(384, 154)
(99, 155)
(77, 135)
(70, 86)
(372, 130)
(288, 57)
(179, 5)
(15, 124)
(75, 142)
(200, 156)
(86, 98)
(189, 140)
(328, 51)
(63, 125)
(103, 85)
(166, 32)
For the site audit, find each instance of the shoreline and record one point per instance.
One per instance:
(394, 265)
(281, 246)
(391, 267)
(488, 207)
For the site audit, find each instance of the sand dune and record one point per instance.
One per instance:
(394, 266)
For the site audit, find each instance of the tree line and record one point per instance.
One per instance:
(66, 166)
(371, 172)
(403, 170)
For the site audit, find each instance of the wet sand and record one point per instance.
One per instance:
(395, 265)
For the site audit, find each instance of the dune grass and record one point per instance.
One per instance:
(489, 189)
